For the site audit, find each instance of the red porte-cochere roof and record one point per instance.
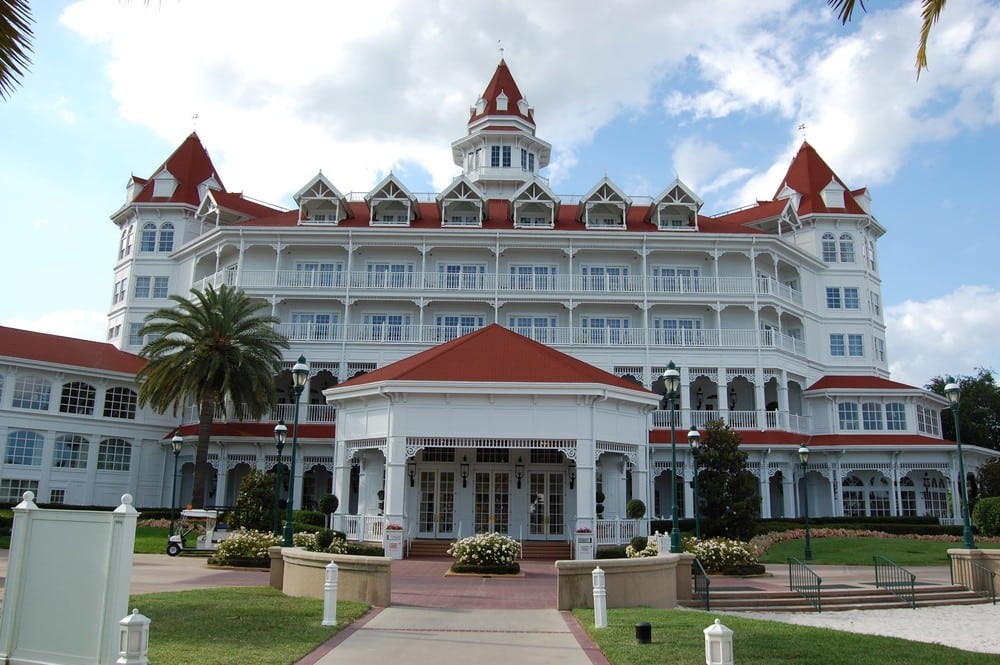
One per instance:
(493, 354)
(15, 343)
(858, 383)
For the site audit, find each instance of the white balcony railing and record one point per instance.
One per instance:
(757, 420)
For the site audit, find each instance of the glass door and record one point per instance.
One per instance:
(437, 504)
(546, 506)
(492, 502)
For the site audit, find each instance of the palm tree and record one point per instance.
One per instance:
(930, 13)
(210, 349)
(15, 43)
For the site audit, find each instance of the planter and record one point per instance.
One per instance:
(584, 550)
(393, 544)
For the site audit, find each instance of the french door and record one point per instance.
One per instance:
(492, 502)
(437, 504)
(546, 506)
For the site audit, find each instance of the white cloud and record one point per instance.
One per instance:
(77, 323)
(953, 334)
(64, 112)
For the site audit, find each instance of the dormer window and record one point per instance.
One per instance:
(164, 185)
(502, 102)
(833, 195)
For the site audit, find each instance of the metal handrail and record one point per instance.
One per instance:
(983, 579)
(701, 583)
(803, 579)
(895, 579)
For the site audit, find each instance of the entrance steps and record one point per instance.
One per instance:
(833, 600)
(531, 549)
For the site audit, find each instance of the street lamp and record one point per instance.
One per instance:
(672, 382)
(694, 440)
(951, 391)
(176, 444)
(804, 458)
(280, 432)
(300, 373)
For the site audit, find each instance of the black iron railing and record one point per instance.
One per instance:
(976, 577)
(806, 582)
(895, 579)
(701, 583)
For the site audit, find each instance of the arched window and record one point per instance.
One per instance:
(846, 248)
(878, 498)
(120, 403)
(167, 238)
(70, 452)
(854, 496)
(24, 447)
(77, 397)
(31, 392)
(114, 455)
(829, 248)
(907, 497)
(147, 241)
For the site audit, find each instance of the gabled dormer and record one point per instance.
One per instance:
(319, 202)
(390, 203)
(462, 204)
(676, 208)
(833, 195)
(604, 207)
(164, 184)
(132, 189)
(787, 192)
(534, 206)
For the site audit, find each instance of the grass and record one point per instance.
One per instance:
(237, 625)
(678, 639)
(859, 551)
(150, 540)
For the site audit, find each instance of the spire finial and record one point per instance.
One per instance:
(802, 130)
(500, 46)
(194, 122)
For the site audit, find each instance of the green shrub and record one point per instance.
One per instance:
(986, 516)
(328, 503)
(611, 552)
(719, 555)
(635, 509)
(323, 539)
(364, 549)
(245, 545)
(310, 517)
(638, 542)
(485, 549)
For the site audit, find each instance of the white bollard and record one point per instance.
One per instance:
(134, 640)
(718, 644)
(600, 599)
(330, 595)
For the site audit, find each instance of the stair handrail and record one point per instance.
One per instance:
(805, 581)
(702, 583)
(983, 579)
(895, 579)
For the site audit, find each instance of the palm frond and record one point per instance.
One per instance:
(930, 14)
(845, 8)
(15, 44)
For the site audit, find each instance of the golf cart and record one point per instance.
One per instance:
(196, 521)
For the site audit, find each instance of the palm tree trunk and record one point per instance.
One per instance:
(202, 469)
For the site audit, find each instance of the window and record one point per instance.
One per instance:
(848, 413)
(313, 325)
(142, 284)
(390, 275)
(533, 221)
(147, 241)
(907, 498)
(120, 403)
(846, 248)
(851, 298)
(895, 416)
(57, 496)
(853, 496)
(461, 276)
(160, 287)
(876, 303)
(879, 345)
(928, 420)
(125, 247)
(393, 327)
(870, 244)
(878, 498)
(31, 392)
(495, 156)
(855, 345)
(604, 278)
(166, 243)
(70, 452)
(119, 293)
(315, 273)
(114, 331)
(114, 455)
(681, 280)
(829, 243)
(539, 328)
(605, 330)
(24, 447)
(842, 297)
(533, 278)
(77, 397)
(12, 491)
(451, 326)
(837, 347)
(134, 336)
(833, 297)
(677, 331)
(936, 496)
(505, 161)
(871, 416)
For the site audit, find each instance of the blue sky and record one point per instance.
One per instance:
(711, 91)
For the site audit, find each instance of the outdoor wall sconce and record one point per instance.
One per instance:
(464, 471)
(572, 474)
(411, 470)
(519, 472)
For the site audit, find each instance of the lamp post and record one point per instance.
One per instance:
(804, 458)
(694, 440)
(671, 382)
(280, 432)
(176, 444)
(952, 392)
(300, 373)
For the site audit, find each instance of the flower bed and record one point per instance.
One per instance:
(245, 548)
(491, 553)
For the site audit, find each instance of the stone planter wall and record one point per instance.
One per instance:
(297, 572)
(658, 581)
(967, 575)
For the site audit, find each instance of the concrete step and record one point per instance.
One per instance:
(835, 599)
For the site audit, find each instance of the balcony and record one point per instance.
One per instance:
(308, 413)
(476, 285)
(756, 420)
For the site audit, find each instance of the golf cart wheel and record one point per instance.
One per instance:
(173, 549)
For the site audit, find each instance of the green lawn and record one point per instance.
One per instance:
(237, 625)
(678, 639)
(859, 551)
(150, 540)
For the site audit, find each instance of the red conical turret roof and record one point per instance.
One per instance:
(502, 83)
(809, 175)
(190, 165)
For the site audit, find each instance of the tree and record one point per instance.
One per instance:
(930, 12)
(727, 490)
(15, 43)
(211, 349)
(254, 502)
(989, 478)
(978, 409)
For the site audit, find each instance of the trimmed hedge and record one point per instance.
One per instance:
(494, 569)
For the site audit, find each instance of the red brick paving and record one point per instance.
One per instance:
(419, 582)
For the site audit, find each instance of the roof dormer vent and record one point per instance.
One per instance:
(480, 105)
(502, 101)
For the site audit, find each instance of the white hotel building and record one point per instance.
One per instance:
(772, 314)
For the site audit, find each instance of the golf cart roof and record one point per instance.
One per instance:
(199, 513)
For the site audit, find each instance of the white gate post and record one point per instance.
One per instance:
(600, 599)
(330, 595)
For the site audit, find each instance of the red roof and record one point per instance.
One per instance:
(778, 438)
(493, 354)
(502, 81)
(237, 203)
(190, 165)
(15, 343)
(258, 430)
(859, 383)
(809, 175)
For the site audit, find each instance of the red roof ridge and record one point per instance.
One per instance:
(60, 350)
